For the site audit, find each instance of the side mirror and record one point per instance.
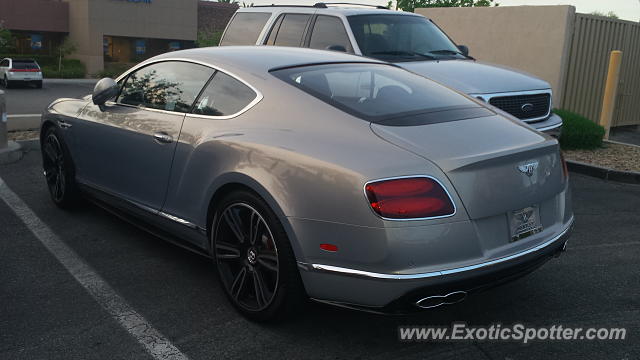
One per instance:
(337, 48)
(105, 89)
(464, 50)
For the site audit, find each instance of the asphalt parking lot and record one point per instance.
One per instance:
(45, 313)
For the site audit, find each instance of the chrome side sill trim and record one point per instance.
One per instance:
(372, 275)
(179, 220)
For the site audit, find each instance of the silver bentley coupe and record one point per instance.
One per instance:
(310, 174)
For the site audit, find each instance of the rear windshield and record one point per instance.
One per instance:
(24, 64)
(245, 28)
(378, 93)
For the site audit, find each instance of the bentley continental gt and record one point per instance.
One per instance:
(311, 174)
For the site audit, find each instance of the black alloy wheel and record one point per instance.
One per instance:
(58, 169)
(254, 258)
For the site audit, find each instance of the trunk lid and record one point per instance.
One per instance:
(487, 160)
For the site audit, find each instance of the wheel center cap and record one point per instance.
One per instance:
(252, 256)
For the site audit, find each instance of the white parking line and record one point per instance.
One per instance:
(153, 341)
(16, 116)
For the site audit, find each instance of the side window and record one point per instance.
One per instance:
(224, 96)
(329, 31)
(291, 30)
(245, 28)
(170, 86)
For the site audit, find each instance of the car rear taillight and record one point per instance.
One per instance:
(409, 198)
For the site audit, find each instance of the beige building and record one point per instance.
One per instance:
(129, 30)
(110, 31)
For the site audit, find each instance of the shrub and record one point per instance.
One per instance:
(71, 69)
(579, 132)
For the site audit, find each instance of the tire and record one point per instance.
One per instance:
(38, 84)
(58, 169)
(259, 273)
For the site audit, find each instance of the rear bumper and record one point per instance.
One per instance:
(24, 76)
(398, 293)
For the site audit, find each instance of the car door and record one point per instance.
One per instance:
(126, 147)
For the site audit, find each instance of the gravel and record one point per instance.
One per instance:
(615, 156)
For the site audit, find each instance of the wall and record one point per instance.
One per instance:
(531, 38)
(90, 20)
(595, 37)
(35, 15)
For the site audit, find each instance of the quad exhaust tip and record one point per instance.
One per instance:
(431, 302)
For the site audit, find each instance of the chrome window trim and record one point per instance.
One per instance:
(372, 275)
(455, 208)
(488, 96)
(256, 100)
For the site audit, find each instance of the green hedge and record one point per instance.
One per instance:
(71, 69)
(579, 132)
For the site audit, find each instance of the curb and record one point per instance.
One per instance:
(628, 177)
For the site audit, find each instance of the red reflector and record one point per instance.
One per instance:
(329, 247)
(409, 198)
(24, 70)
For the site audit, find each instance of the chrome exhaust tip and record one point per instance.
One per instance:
(431, 302)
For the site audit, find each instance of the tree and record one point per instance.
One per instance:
(411, 5)
(6, 39)
(207, 38)
(67, 47)
(610, 14)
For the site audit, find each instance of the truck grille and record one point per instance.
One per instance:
(524, 107)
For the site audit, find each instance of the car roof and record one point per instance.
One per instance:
(346, 10)
(257, 60)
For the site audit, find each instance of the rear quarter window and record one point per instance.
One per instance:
(245, 28)
(224, 96)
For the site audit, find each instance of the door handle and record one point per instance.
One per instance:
(163, 138)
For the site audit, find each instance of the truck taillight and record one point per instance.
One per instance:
(409, 198)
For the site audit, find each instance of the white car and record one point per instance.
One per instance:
(26, 71)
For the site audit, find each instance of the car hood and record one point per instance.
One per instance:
(473, 77)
